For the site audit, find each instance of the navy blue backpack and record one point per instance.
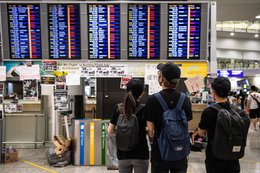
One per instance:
(174, 139)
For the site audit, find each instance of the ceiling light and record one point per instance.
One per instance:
(256, 35)
(256, 62)
(257, 17)
(232, 33)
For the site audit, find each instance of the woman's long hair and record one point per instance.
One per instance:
(129, 105)
(134, 90)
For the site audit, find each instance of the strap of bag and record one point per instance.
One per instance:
(161, 101)
(255, 99)
(216, 107)
(139, 107)
(180, 101)
(121, 108)
(165, 106)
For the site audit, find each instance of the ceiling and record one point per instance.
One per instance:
(237, 9)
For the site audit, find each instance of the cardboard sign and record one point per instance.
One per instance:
(194, 84)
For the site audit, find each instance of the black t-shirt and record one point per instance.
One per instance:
(154, 113)
(208, 122)
(141, 151)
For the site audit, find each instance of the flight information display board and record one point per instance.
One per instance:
(143, 31)
(184, 31)
(24, 31)
(64, 31)
(104, 31)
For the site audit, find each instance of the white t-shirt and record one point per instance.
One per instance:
(253, 104)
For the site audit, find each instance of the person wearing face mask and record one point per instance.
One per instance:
(211, 125)
(169, 75)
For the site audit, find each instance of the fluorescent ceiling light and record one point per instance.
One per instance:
(257, 17)
(232, 33)
(256, 35)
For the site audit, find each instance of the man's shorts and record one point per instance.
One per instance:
(254, 113)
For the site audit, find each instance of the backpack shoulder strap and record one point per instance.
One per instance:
(180, 101)
(139, 107)
(120, 108)
(161, 101)
(216, 107)
(254, 98)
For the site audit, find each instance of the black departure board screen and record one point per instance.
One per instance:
(144, 31)
(104, 31)
(184, 31)
(64, 31)
(24, 31)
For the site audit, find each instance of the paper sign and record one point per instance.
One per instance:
(2, 73)
(48, 80)
(194, 84)
(73, 79)
(30, 90)
(61, 102)
(28, 73)
(151, 78)
(124, 81)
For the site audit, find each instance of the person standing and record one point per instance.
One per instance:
(136, 159)
(169, 75)
(252, 105)
(209, 123)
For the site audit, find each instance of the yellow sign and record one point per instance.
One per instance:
(193, 68)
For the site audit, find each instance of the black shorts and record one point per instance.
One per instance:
(254, 113)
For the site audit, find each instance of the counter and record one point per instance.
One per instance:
(196, 110)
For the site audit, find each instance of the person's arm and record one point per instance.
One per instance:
(111, 129)
(204, 122)
(150, 129)
(202, 132)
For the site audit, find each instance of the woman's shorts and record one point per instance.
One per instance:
(254, 113)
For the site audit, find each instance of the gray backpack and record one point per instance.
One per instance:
(127, 131)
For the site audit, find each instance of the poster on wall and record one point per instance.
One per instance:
(30, 72)
(13, 107)
(2, 73)
(30, 90)
(48, 80)
(49, 65)
(124, 81)
(61, 102)
(151, 78)
(60, 83)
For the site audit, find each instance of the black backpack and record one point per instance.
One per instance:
(127, 131)
(230, 136)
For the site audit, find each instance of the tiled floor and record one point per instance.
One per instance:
(249, 164)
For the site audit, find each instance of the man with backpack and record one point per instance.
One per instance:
(226, 127)
(167, 114)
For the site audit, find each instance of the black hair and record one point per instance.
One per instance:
(135, 88)
(253, 88)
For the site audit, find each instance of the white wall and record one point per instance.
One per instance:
(238, 44)
(238, 48)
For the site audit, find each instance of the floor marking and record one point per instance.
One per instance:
(38, 166)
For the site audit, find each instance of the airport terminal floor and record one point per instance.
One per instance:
(34, 161)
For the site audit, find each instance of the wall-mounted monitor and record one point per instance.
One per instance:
(104, 31)
(184, 31)
(64, 31)
(143, 31)
(24, 31)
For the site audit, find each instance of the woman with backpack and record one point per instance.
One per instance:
(130, 128)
